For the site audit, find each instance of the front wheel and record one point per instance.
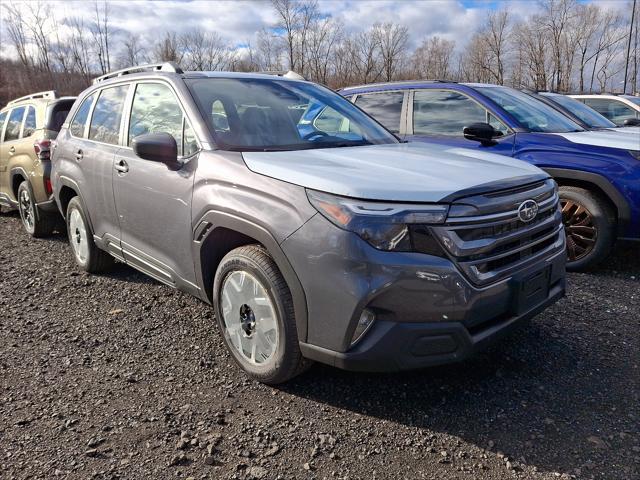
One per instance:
(254, 311)
(85, 252)
(589, 224)
(36, 223)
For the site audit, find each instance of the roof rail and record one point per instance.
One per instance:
(399, 82)
(50, 94)
(153, 67)
(284, 73)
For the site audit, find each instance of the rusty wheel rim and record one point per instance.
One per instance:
(580, 231)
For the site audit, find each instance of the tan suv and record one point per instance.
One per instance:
(27, 127)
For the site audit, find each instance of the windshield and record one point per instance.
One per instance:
(258, 114)
(633, 99)
(587, 114)
(530, 113)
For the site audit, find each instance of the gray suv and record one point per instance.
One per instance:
(313, 232)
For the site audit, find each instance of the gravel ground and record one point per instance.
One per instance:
(118, 376)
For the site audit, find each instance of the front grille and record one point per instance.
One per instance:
(485, 238)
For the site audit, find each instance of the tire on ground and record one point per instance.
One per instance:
(44, 223)
(287, 361)
(97, 260)
(604, 220)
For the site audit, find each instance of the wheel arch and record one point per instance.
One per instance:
(599, 184)
(17, 176)
(217, 233)
(65, 192)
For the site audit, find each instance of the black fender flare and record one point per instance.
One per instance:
(215, 219)
(17, 171)
(67, 182)
(613, 194)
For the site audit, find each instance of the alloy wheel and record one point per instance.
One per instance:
(78, 236)
(249, 318)
(580, 230)
(27, 210)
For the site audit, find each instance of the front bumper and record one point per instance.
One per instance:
(393, 346)
(428, 312)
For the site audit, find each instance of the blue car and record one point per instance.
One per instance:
(598, 172)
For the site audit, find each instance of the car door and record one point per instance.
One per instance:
(11, 149)
(4, 176)
(153, 201)
(440, 115)
(93, 148)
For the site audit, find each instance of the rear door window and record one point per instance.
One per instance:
(29, 122)
(107, 114)
(80, 120)
(386, 108)
(13, 125)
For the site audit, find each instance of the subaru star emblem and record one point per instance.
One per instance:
(528, 210)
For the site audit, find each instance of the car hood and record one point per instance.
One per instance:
(634, 130)
(416, 172)
(603, 138)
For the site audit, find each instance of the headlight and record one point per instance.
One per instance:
(386, 226)
(635, 153)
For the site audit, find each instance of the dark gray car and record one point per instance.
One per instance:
(312, 230)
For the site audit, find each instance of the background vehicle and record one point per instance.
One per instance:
(581, 113)
(27, 127)
(598, 172)
(314, 235)
(623, 110)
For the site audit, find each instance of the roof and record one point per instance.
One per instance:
(408, 85)
(173, 68)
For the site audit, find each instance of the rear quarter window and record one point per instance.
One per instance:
(29, 122)
(80, 119)
(57, 114)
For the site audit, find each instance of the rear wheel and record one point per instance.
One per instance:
(36, 222)
(85, 252)
(589, 224)
(254, 310)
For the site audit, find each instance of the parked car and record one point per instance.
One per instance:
(623, 110)
(333, 244)
(598, 172)
(580, 113)
(27, 127)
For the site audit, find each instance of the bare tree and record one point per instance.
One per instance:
(496, 36)
(322, 39)
(134, 52)
(289, 15)
(269, 51)
(101, 31)
(392, 40)
(432, 59)
(168, 48)
(16, 27)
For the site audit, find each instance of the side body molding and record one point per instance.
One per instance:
(213, 220)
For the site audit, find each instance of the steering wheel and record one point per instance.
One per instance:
(310, 135)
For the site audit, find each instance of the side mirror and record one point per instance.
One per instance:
(631, 122)
(480, 132)
(157, 147)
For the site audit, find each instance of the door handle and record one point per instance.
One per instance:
(79, 155)
(122, 166)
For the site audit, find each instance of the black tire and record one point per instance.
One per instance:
(590, 227)
(286, 361)
(96, 261)
(36, 223)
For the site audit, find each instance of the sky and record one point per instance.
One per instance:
(237, 21)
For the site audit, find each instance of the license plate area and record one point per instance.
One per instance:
(533, 289)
